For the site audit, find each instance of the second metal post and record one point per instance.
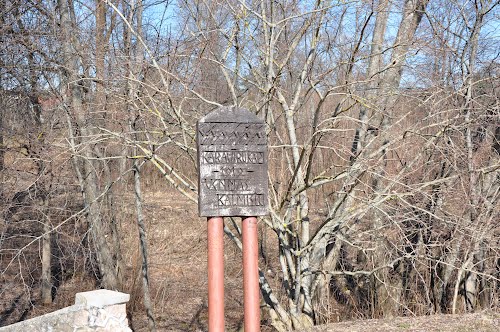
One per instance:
(251, 290)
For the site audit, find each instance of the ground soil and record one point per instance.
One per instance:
(487, 321)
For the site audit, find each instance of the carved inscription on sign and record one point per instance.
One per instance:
(232, 164)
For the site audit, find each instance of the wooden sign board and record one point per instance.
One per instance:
(232, 164)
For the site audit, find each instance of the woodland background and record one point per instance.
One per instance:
(383, 123)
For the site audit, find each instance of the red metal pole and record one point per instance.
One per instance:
(251, 275)
(216, 274)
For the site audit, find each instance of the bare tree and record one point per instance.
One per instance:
(382, 120)
(282, 55)
(86, 159)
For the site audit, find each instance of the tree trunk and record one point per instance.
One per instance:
(46, 256)
(143, 248)
(135, 11)
(388, 289)
(100, 53)
(373, 74)
(46, 266)
(2, 105)
(470, 277)
(87, 166)
(2, 147)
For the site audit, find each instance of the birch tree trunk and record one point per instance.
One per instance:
(478, 215)
(389, 290)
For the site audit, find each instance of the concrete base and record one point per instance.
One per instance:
(97, 311)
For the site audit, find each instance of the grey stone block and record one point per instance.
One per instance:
(101, 298)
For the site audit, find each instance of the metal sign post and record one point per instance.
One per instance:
(232, 182)
(251, 274)
(215, 274)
